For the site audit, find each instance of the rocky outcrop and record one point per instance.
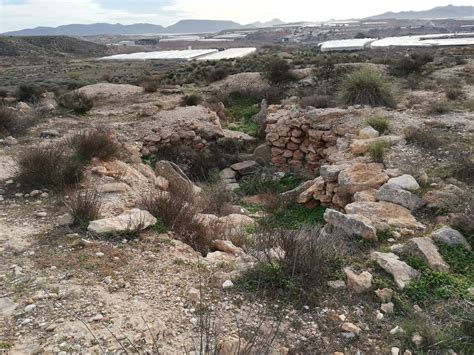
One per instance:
(402, 272)
(361, 177)
(425, 248)
(447, 198)
(131, 220)
(385, 215)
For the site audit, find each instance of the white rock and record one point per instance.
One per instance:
(129, 220)
(227, 284)
(406, 182)
(394, 351)
(30, 308)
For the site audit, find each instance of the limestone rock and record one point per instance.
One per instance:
(176, 177)
(246, 167)
(366, 196)
(450, 236)
(394, 193)
(385, 294)
(361, 146)
(358, 283)
(351, 328)
(401, 271)
(262, 154)
(360, 177)
(406, 182)
(227, 174)
(387, 307)
(447, 198)
(129, 220)
(227, 247)
(385, 215)
(428, 251)
(351, 224)
(329, 173)
(368, 132)
(7, 306)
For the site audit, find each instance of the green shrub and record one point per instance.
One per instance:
(217, 74)
(191, 100)
(408, 65)
(438, 107)
(49, 166)
(379, 123)
(76, 102)
(294, 216)
(264, 180)
(377, 150)
(366, 87)
(278, 70)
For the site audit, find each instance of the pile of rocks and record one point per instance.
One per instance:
(302, 139)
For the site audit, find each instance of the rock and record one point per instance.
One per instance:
(387, 307)
(246, 167)
(262, 154)
(227, 174)
(231, 345)
(35, 193)
(114, 187)
(406, 182)
(49, 133)
(97, 318)
(227, 284)
(329, 173)
(176, 177)
(360, 177)
(428, 251)
(366, 196)
(450, 236)
(401, 271)
(417, 339)
(397, 331)
(385, 294)
(393, 172)
(385, 215)
(162, 183)
(65, 219)
(337, 284)
(351, 328)
(129, 220)
(368, 132)
(7, 306)
(227, 247)
(351, 224)
(447, 198)
(358, 283)
(30, 308)
(194, 294)
(395, 194)
(394, 351)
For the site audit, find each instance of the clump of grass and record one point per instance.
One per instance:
(366, 87)
(439, 107)
(454, 93)
(85, 206)
(377, 150)
(379, 123)
(29, 93)
(191, 100)
(76, 102)
(294, 216)
(98, 143)
(50, 166)
(264, 180)
(424, 139)
(9, 121)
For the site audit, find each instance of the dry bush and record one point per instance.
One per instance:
(277, 70)
(424, 139)
(366, 87)
(408, 65)
(29, 93)
(191, 100)
(462, 165)
(306, 254)
(150, 85)
(454, 93)
(49, 166)
(9, 121)
(98, 143)
(438, 107)
(217, 74)
(215, 199)
(317, 101)
(76, 102)
(85, 206)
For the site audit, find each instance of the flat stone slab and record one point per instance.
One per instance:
(246, 167)
(402, 272)
(130, 220)
(7, 306)
(395, 194)
(351, 224)
(360, 177)
(428, 251)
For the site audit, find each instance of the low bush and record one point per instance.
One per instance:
(408, 65)
(424, 139)
(278, 70)
(98, 143)
(48, 166)
(29, 93)
(191, 100)
(76, 102)
(216, 199)
(379, 123)
(317, 101)
(85, 206)
(9, 121)
(217, 74)
(366, 87)
(150, 85)
(454, 93)
(438, 107)
(377, 150)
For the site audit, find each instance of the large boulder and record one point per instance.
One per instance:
(351, 224)
(425, 248)
(394, 193)
(360, 177)
(130, 220)
(385, 215)
(116, 92)
(402, 272)
(450, 236)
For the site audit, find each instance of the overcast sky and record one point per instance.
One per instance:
(19, 14)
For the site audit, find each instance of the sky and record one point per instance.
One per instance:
(19, 14)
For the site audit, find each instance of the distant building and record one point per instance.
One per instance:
(126, 43)
(147, 42)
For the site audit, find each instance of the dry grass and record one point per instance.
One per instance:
(215, 199)
(377, 150)
(48, 166)
(9, 121)
(317, 101)
(85, 206)
(98, 143)
(76, 102)
(379, 123)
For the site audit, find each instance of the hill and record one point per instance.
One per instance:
(54, 46)
(449, 11)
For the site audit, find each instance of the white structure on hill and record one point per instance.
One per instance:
(346, 45)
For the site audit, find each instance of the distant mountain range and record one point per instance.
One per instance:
(440, 12)
(183, 26)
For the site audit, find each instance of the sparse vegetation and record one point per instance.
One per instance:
(317, 101)
(412, 64)
(366, 87)
(9, 121)
(379, 123)
(192, 100)
(29, 93)
(377, 150)
(265, 180)
(76, 102)
(150, 85)
(277, 71)
(85, 206)
(97, 143)
(454, 93)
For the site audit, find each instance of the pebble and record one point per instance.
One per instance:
(397, 330)
(97, 318)
(99, 254)
(227, 284)
(379, 315)
(41, 214)
(35, 193)
(30, 308)
(394, 351)
(387, 307)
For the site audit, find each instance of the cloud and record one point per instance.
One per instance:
(32, 13)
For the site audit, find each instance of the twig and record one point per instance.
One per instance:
(155, 341)
(118, 341)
